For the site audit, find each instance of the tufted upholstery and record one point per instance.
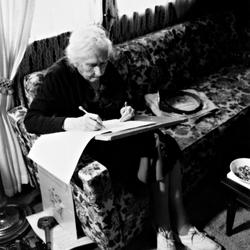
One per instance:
(175, 57)
(202, 54)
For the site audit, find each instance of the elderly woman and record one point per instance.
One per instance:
(85, 78)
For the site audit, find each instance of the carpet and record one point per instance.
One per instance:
(206, 208)
(240, 239)
(216, 229)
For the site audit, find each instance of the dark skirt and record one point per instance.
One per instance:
(143, 158)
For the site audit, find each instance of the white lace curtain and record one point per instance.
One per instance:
(22, 21)
(53, 17)
(127, 7)
(15, 24)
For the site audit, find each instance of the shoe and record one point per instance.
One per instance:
(195, 240)
(165, 241)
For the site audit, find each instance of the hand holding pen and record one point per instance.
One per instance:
(127, 113)
(92, 121)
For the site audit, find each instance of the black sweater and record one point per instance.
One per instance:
(64, 90)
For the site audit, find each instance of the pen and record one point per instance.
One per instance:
(86, 112)
(83, 110)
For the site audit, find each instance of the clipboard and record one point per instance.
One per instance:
(157, 122)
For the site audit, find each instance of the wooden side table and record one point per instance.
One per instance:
(238, 194)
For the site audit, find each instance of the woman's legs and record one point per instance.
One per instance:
(169, 213)
(178, 212)
(160, 204)
(161, 215)
(168, 209)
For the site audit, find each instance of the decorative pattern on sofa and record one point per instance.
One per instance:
(200, 54)
(175, 57)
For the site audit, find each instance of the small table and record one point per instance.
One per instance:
(238, 195)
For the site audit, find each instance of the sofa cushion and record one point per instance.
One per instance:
(31, 83)
(229, 89)
(174, 57)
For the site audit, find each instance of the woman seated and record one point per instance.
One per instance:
(85, 78)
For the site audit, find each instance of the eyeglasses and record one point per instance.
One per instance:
(94, 66)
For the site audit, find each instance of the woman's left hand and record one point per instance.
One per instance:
(127, 113)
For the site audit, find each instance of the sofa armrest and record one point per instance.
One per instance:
(16, 118)
(95, 182)
(25, 139)
(95, 205)
(94, 177)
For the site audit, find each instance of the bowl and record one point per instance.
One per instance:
(241, 169)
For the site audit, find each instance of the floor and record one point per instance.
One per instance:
(207, 209)
(204, 205)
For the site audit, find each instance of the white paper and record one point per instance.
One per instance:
(59, 153)
(60, 238)
(232, 176)
(152, 101)
(116, 125)
(58, 195)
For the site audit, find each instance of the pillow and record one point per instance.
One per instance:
(31, 83)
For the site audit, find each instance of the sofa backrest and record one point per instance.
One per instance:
(38, 56)
(175, 56)
(171, 58)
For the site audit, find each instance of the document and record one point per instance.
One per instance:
(143, 123)
(59, 152)
(208, 108)
(116, 125)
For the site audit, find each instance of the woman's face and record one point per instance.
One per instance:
(93, 66)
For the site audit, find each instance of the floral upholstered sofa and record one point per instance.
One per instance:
(208, 54)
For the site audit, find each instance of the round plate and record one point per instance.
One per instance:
(182, 102)
(241, 169)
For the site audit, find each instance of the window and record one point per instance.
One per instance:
(57, 16)
(127, 7)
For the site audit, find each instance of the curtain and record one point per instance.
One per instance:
(128, 7)
(110, 13)
(15, 25)
(63, 16)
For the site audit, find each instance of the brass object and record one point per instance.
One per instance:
(13, 221)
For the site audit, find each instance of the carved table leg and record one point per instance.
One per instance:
(231, 210)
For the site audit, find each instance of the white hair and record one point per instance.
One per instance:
(86, 40)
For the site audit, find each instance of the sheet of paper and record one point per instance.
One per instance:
(59, 153)
(231, 176)
(116, 125)
(58, 195)
(209, 107)
(60, 238)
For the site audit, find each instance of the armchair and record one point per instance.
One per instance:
(108, 214)
(208, 54)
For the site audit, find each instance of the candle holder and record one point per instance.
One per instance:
(13, 222)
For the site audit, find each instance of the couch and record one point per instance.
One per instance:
(209, 54)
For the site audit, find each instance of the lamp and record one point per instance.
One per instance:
(13, 221)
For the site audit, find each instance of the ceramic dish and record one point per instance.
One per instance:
(181, 102)
(241, 169)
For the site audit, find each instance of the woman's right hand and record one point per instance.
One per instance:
(87, 122)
